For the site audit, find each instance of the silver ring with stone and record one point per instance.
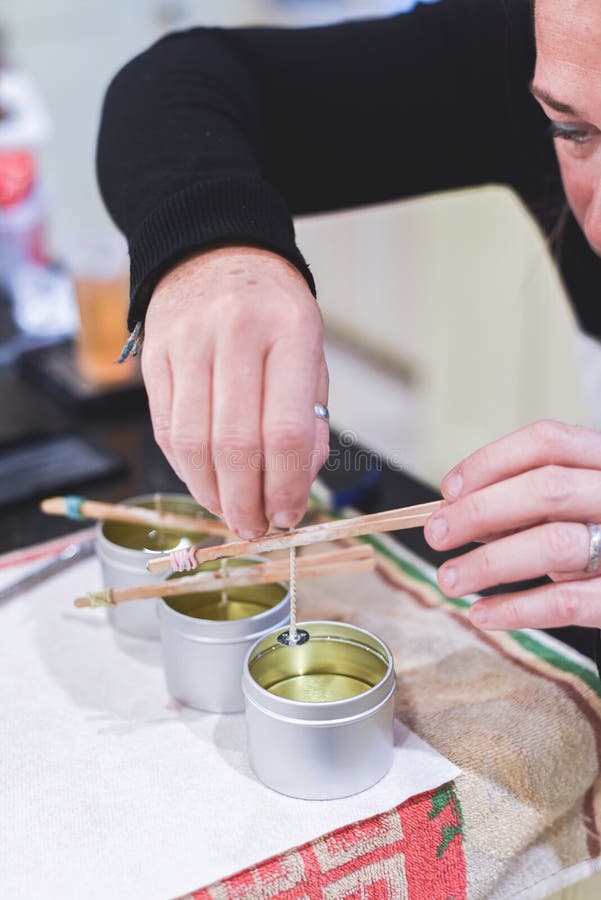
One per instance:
(594, 551)
(322, 411)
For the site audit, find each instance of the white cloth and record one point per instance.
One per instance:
(110, 790)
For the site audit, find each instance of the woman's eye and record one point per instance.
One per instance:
(570, 133)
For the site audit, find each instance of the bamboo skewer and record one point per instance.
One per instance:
(338, 562)
(390, 520)
(137, 515)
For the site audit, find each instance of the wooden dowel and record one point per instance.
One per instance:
(352, 559)
(391, 520)
(137, 515)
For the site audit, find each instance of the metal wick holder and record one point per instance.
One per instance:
(293, 640)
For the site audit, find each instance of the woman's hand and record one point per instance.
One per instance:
(233, 365)
(528, 496)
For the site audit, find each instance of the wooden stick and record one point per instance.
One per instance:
(137, 515)
(352, 559)
(391, 520)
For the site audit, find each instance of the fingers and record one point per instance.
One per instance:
(559, 547)
(536, 445)
(550, 606)
(289, 433)
(550, 492)
(236, 433)
(190, 424)
(157, 376)
(228, 412)
(321, 448)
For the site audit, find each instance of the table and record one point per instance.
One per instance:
(358, 481)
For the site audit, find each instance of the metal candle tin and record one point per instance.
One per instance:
(204, 643)
(123, 550)
(320, 715)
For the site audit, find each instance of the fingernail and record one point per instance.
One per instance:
(249, 535)
(448, 577)
(438, 528)
(285, 519)
(453, 484)
(479, 616)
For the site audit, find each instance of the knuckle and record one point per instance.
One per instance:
(178, 335)
(567, 603)
(553, 485)
(561, 543)
(476, 508)
(512, 614)
(162, 436)
(233, 312)
(234, 441)
(549, 435)
(285, 436)
(487, 561)
(184, 443)
(303, 321)
(161, 425)
(483, 460)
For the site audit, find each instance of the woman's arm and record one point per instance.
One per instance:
(213, 137)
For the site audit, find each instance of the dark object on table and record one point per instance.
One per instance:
(54, 369)
(50, 464)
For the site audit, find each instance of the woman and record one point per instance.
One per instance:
(211, 137)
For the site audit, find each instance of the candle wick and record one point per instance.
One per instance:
(293, 634)
(223, 567)
(158, 505)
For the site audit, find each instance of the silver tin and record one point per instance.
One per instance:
(123, 566)
(203, 658)
(312, 749)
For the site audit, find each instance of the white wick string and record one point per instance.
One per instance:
(223, 567)
(292, 632)
(158, 505)
(183, 559)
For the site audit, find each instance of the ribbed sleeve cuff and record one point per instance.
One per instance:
(218, 211)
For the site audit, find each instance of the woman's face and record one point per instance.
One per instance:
(567, 84)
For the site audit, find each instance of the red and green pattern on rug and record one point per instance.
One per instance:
(414, 851)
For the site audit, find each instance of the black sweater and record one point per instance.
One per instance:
(216, 136)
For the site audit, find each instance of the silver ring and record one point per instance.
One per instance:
(594, 551)
(322, 411)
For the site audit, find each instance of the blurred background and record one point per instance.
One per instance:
(447, 324)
